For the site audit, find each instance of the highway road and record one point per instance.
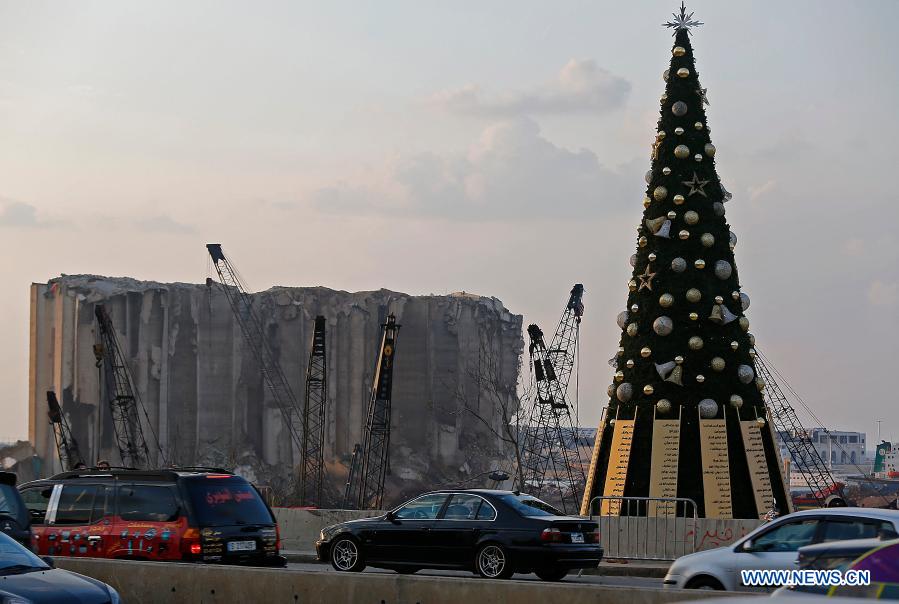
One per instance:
(573, 578)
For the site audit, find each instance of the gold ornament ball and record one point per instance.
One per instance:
(683, 72)
(695, 343)
(632, 329)
(630, 363)
(736, 401)
(660, 193)
(719, 300)
(619, 376)
(635, 307)
(666, 300)
(678, 131)
(693, 295)
(645, 352)
(666, 74)
(708, 240)
(691, 217)
(642, 241)
(700, 378)
(698, 125)
(735, 295)
(678, 199)
(734, 345)
(744, 323)
(666, 170)
(699, 263)
(632, 285)
(752, 353)
(694, 316)
(718, 364)
(664, 405)
(672, 215)
(647, 389)
(698, 157)
(612, 422)
(682, 152)
(678, 359)
(611, 389)
(760, 421)
(663, 98)
(652, 256)
(684, 234)
(709, 149)
(646, 202)
(620, 351)
(678, 51)
(662, 134)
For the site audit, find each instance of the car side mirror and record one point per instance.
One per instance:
(48, 561)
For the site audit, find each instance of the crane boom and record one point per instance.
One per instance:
(122, 398)
(253, 331)
(365, 486)
(69, 455)
(314, 415)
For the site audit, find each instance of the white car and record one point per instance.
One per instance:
(775, 545)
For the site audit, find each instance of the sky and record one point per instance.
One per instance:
(429, 147)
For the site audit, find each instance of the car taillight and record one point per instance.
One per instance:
(190, 543)
(551, 535)
(596, 535)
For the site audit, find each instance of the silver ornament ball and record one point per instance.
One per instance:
(663, 326)
(624, 392)
(708, 408)
(679, 108)
(723, 269)
(745, 373)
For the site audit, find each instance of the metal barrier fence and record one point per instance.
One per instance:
(645, 528)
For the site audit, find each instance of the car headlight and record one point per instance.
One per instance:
(113, 595)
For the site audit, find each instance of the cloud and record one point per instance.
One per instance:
(163, 224)
(510, 173)
(23, 215)
(883, 294)
(581, 87)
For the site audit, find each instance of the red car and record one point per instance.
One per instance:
(180, 515)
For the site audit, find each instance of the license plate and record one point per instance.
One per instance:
(577, 537)
(241, 546)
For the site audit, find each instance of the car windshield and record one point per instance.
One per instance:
(227, 502)
(529, 506)
(16, 559)
(11, 504)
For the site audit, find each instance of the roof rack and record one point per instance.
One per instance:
(199, 469)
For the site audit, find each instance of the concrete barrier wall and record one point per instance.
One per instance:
(622, 537)
(152, 582)
(300, 528)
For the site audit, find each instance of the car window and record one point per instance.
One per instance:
(227, 502)
(103, 504)
(486, 512)
(36, 501)
(530, 506)
(147, 503)
(11, 505)
(843, 530)
(787, 537)
(425, 507)
(464, 507)
(75, 504)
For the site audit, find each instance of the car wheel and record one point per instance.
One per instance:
(346, 556)
(492, 562)
(705, 583)
(551, 574)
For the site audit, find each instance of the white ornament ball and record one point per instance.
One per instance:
(736, 401)
(622, 319)
(745, 373)
(723, 269)
(700, 378)
(624, 392)
(708, 408)
(695, 343)
(678, 265)
(663, 326)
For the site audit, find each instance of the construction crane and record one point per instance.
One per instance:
(253, 330)
(550, 454)
(124, 402)
(365, 484)
(314, 415)
(562, 351)
(69, 455)
(825, 491)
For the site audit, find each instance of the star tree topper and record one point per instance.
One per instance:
(682, 21)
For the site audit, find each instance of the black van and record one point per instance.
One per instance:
(14, 519)
(182, 514)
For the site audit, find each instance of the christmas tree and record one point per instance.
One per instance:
(686, 416)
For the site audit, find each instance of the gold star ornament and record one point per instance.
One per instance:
(696, 185)
(646, 279)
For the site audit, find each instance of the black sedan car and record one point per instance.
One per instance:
(493, 533)
(25, 578)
